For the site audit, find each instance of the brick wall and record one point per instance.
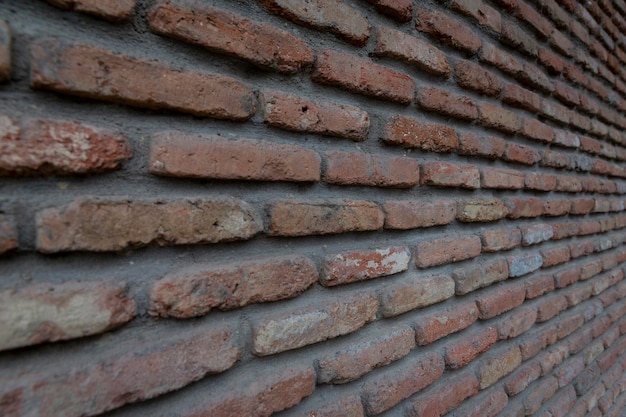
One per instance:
(312, 208)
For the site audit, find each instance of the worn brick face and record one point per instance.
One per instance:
(411, 214)
(411, 133)
(443, 174)
(481, 210)
(444, 250)
(113, 10)
(447, 30)
(347, 267)
(472, 76)
(5, 52)
(415, 292)
(359, 168)
(469, 345)
(438, 324)
(441, 101)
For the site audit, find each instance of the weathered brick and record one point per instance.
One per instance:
(524, 207)
(516, 37)
(329, 405)
(395, 44)
(488, 404)
(561, 43)
(498, 118)
(362, 76)
(298, 114)
(360, 168)
(8, 233)
(566, 94)
(438, 324)
(516, 322)
(525, 374)
(349, 362)
(500, 59)
(554, 159)
(444, 174)
(568, 183)
(347, 267)
(149, 370)
(113, 10)
(524, 264)
(520, 97)
(78, 69)
(395, 384)
(411, 214)
(473, 77)
(5, 52)
(98, 224)
(521, 154)
(485, 15)
(502, 178)
(534, 129)
(559, 207)
(538, 285)
(540, 182)
(445, 250)
(344, 21)
(539, 393)
(577, 294)
(489, 147)
(499, 299)
(401, 10)
(221, 31)
(51, 312)
(498, 364)
(549, 306)
(555, 111)
(529, 15)
(411, 133)
(443, 397)
(536, 233)
(554, 63)
(480, 274)
(555, 256)
(441, 101)
(283, 331)
(500, 239)
(564, 230)
(468, 345)
(447, 30)
(480, 210)
(179, 154)
(415, 292)
(195, 291)
(319, 217)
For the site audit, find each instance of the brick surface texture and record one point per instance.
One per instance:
(331, 208)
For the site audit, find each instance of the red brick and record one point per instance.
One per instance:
(555, 111)
(521, 154)
(485, 15)
(549, 306)
(499, 59)
(522, 378)
(534, 129)
(516, 322)
(590, 145)
(396, 384)
(179, 154)
(555, 256)
(273, 389)
(445, 250)
(441, 101)
(61, 311)
(471, 76)
(411, 214)
(480, 210)
(415, 292)
(107, 9)
(221, 31)
(401, 10)
(498, 364)
(499, 299)
(349, 362)
(447, 30)
(566, 94)
(347, 267)
(5, 52)
(500, 239)
(524, 207)
(534, 77)
(320, 217)
(554, 159)
(590, 269)
(564, 230)
(77, 69)
(562, 44)
(330, 405)
(520, 97)
(468, 345)
(567, 277)
(516, 37)
(111, 225)
(502, 178)
(443, 174)
(537, 285)
(195, 291)
(8, 233)
(559, 16)
(147, 371)
(411, 133)
(489, 147)
(297, 114)
(551, 61)
(540, 182)
(479, 274)
(338, 18)
(553, 357)
(529, 15)
(395, 44)
(539, 393)
(45, 147)
(439, 399)
(524, 264)
(361, 76)
(441, 323)
(566, 139)
(568, 183)
(578, 249)
(288, 330)
(489, 404)
(359, 168)
(498, 118)
(535, 233)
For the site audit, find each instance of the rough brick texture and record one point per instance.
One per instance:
(331, 208)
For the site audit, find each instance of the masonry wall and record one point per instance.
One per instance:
(312, 208)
